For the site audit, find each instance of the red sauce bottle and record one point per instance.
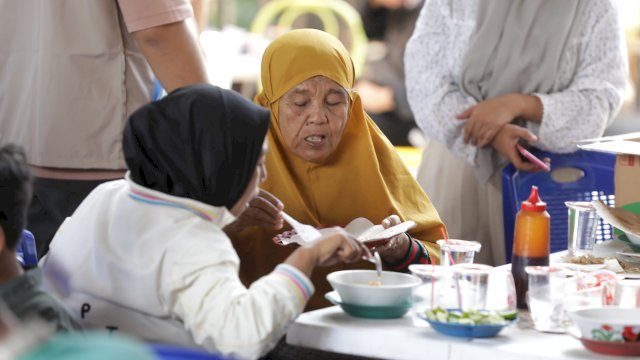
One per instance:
(530, 242)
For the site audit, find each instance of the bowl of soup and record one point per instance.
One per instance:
(365, 288)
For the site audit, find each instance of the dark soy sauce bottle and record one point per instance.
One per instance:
(530, 242)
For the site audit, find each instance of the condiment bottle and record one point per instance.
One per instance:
(530, 242)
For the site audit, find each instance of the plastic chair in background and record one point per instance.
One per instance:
(579, 176)
(26, 250)
(158, 90)
(330, 12)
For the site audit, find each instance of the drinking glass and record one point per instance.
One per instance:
(457, 251)
(472, 283)
(583, 223)
(577, 298)
(437, 288)
(545, 298)
(627, 295)
(501, 292)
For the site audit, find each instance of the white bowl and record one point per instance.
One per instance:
(354, 287)
(606, 324)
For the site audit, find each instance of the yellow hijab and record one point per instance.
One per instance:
(364, 177)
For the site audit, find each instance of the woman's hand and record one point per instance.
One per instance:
(394, 249)
(264, 210)
(505, 143)
(487, 117)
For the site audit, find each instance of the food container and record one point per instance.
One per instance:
(607, 324)
(360, 287)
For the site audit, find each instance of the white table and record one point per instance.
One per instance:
(330, 329)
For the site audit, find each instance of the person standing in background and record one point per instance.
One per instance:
(483, 75)
(72, 73)
(201, 10)
(388, 25)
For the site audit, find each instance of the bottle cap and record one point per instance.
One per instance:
(533, 203)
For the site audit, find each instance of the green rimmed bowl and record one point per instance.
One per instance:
(369, 311)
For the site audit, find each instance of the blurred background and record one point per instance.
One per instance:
(234, 33)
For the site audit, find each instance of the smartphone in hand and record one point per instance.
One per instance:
(529, 156)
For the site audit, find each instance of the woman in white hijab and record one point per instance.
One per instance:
(483, 75)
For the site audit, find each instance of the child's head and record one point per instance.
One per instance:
(199, 142)
(15, 195)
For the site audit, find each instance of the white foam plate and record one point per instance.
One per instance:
(362, 228)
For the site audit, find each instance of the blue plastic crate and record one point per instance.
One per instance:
(596, 184)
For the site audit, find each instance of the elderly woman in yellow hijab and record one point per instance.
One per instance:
(328, 162)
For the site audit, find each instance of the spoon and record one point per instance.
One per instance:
(307, 232)
(378, 262)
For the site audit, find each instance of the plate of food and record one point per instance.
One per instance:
(371, 234)
(581, 265)
(630, 262)
(467, 324)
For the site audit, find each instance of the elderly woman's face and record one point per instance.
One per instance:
(312, 117)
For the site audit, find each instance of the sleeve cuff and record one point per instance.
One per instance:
(168, 17)
(416, 254)
(299, 282)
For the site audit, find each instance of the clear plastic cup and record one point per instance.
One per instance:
(583, 223)
(454, 251)
(627, 295)
(501, 293)
(577, 299)
(545, 298)
(552, 295)
(437, 288)
(472, 283)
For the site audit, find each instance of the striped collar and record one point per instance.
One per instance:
(216, 214)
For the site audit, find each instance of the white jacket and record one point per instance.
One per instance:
(161, 268)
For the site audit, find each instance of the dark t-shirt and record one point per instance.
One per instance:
(25, 297)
